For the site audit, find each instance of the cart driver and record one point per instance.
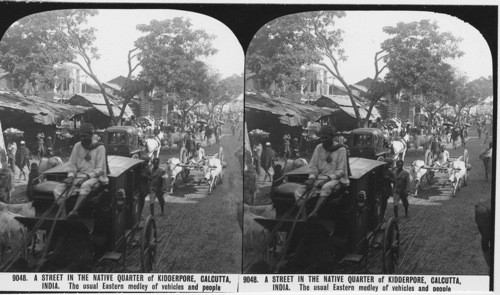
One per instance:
(328, 168)
(442, 158)
(87, 169)
(198, 154)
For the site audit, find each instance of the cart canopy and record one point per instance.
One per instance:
(359, 167)
(117, 166)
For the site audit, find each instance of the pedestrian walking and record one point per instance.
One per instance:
(50, 146)
(389, 180)
(257, 154)
(233, 127)
(294, 147)
(267, 161)
(208, 134)
(40, 149)
(486, 132)
(23, 159)
(401, 188)
(11, 154)
(479, 132)
(455, 133)
(286, 146)
(157, 187)
(485, 156)
(463, 134)
(190, 144)
(216, 135)
(146, 182)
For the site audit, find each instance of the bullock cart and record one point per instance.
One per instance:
(211, 169)
(349, 223)
(456, 170)
(109, 222)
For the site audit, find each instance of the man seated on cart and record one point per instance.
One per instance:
(328, 169)
(87, 169)
(442, 158)
(198, 155)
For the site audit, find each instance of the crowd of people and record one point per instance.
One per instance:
(329, 168)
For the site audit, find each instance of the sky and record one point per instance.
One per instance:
(363, 36)
(116, 33)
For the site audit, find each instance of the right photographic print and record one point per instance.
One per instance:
(369, 138)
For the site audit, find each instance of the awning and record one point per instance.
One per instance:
(97, 101)
(288, 112)
(43, 111)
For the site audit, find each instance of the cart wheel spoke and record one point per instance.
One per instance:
(390, 247)
(148, 245)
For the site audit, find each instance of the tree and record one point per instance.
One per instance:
(171, 56)
(222, 92)
(38, 42)
(278, 53)
(470, 93)
(416, 56)
(292, 41)
(131, 87)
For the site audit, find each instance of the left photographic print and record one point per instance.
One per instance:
(119, 140)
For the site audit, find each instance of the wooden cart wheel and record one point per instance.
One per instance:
(221, 176)
(148, 245)
(183, 155)
(381, 158)
(456, 187)
(135, 156)
(429, 176)
(220, 154)
(466, 161)
(212, 186)
(390, 247)
(185, 175)
(466, 157)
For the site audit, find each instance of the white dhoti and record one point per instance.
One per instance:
(325, 191)
(84, 189)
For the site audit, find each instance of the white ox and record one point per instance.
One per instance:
(13, 234)
(212, 170)
(418, 170)
(457, 172)
(255, 236)
(173, 171)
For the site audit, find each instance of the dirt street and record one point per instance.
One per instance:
(198, 233)
(440, 236)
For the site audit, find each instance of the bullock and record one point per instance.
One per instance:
(12, 233)
(485, 157)
(280, 171)
(399, 147)
(48, 163)
(421, 141)
(173, 171)
(176, 138)
(38, 169)
(417, 171)
(483, 221)
(255, 237)
(457, 173)
(251, 180)
(153, 145)
(6, 184)
(212, 170)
